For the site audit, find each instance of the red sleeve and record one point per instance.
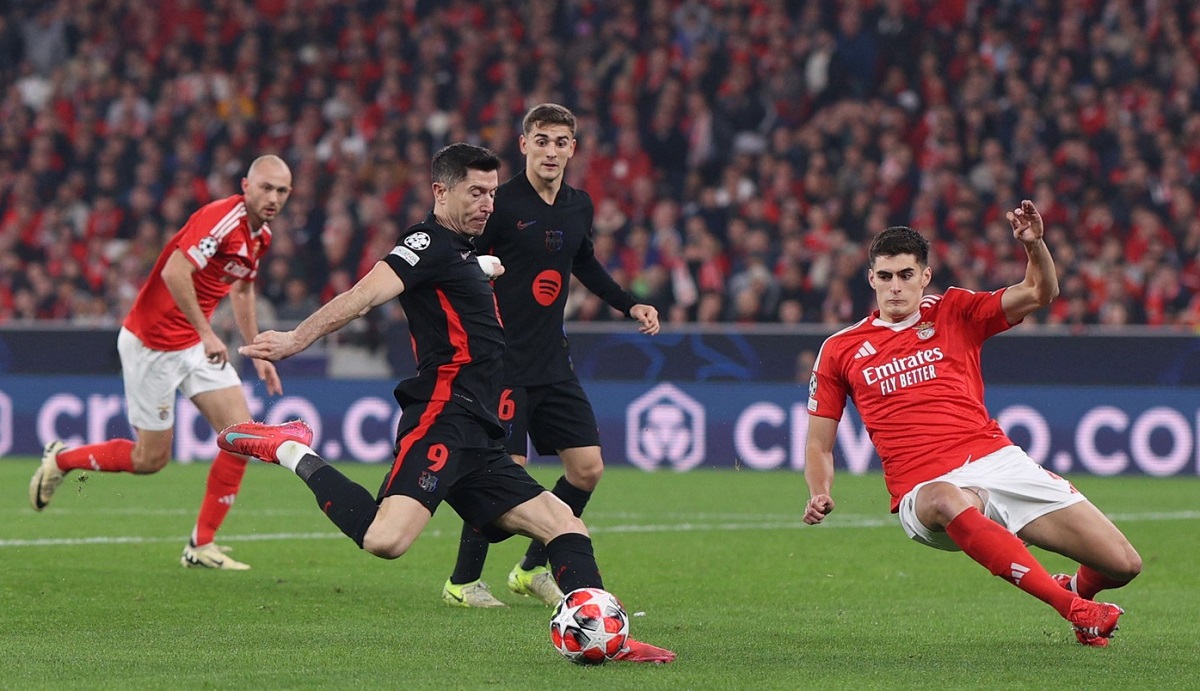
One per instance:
(827, 388)
(205, 233)
(980, 312)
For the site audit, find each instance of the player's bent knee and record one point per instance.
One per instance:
(149, 463)
(938, 503)
(386, 548)
(570, 524)
(387, 544)
(587, 478)
(560, 524)
(1131, 567)
(583, 466)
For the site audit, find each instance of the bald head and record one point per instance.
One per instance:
(269, 163)
(266, 187)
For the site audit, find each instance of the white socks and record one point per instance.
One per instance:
(290, 453)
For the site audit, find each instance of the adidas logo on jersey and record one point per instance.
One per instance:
(865, 350)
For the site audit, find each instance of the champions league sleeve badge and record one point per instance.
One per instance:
(417, 241)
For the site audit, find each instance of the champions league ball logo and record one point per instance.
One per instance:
(417, 241)
(207, 246)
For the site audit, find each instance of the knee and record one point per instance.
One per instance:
(560, 522)
(147, 461)
(570, 524)
(939, 503)
(588, 477)
(386, 547)
(584, 473)
(1129, 567)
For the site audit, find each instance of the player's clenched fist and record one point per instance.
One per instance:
(817, 509)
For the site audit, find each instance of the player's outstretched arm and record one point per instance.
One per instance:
(1040, 285)
(818, 468)
(377, 287)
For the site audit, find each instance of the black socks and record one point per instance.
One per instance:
(351, 507)
(472, 551)
(573, 563)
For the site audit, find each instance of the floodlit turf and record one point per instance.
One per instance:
(715, 565)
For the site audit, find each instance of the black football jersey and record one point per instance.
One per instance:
(541, 245)
(457, 339)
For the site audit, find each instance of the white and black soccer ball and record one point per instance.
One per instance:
(589, 626)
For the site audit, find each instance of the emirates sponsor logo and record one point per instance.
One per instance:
(873, 375)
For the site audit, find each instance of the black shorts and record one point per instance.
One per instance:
(443, 453)
(555, 416)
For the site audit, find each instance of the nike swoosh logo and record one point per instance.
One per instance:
(192, 559)
(522, 225)
(234, 436)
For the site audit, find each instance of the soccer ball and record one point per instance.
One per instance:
(589, 626)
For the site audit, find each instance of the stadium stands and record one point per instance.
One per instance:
(740, 152)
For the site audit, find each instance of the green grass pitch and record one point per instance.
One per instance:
(714, 564)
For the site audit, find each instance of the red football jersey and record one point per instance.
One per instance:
(217, 239)
(917, 385)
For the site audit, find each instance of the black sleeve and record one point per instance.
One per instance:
(417, 261)
(595, 278)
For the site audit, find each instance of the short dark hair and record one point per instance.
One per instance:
(451, 163)
(899, 240)
(548, 114)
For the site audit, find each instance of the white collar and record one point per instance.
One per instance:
(898, 326)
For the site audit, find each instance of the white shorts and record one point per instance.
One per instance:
(1015, 490)
(152, 377)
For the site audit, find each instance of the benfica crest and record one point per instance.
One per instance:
(925, 330)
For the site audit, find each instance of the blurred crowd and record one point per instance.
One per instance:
(741, 153)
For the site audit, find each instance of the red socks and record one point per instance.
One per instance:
(224, 480)
(1089, 582)
(1003, 553)
(112, 456)
(116, 456)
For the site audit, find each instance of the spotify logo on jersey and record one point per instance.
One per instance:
(546, 287)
